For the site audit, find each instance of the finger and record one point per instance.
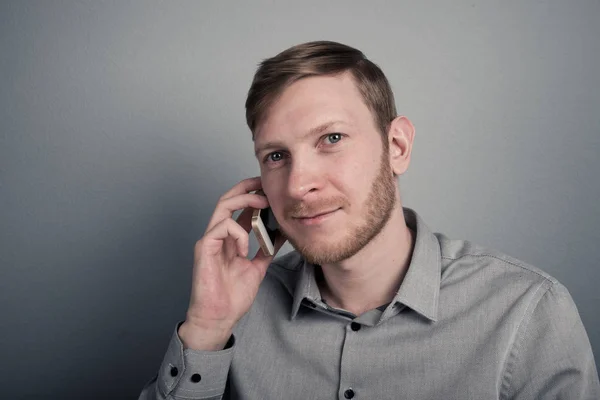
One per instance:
(225, 208)
(230, 248)
(245, 186)
(245, 219)
(213, 241)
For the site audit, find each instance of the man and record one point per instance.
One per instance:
(372, 304)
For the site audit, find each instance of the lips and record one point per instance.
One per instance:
(315, 215)
(316, 219)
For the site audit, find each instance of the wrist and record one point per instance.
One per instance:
(201, 338)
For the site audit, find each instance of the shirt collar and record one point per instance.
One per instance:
(306, 287)
(420, 288)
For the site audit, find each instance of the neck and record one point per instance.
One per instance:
(372, 276)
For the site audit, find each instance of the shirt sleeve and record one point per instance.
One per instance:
(190, 374)
(551, 356)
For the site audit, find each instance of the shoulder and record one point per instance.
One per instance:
(460, 257)
(531, 310)
(502, 284)
(495, 281)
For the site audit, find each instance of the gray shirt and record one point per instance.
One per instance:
(467, 322)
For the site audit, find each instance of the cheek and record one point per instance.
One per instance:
(269, 182)
(273, 188)
(353, 177)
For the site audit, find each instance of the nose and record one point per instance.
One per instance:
(304, 177)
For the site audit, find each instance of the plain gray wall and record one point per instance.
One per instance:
(123, 122)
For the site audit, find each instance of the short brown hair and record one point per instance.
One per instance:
(275, 74)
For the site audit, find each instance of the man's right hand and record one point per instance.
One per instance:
(225, 282)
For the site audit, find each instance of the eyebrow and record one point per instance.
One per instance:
(312, 132)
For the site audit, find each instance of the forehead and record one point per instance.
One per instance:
(311, 102)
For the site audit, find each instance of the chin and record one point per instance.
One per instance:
(323, 252)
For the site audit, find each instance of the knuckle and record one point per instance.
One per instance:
(225, 204)
(219, 225)
(230, 223)
(224, 223)
(199, 245)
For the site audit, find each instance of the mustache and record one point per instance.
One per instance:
(315, 207)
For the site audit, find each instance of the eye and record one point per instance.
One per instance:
(274, 156)
(334, 137)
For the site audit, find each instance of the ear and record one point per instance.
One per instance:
(400, 140)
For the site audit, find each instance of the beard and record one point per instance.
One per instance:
(377, 212)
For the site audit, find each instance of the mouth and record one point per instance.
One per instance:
(315, 218)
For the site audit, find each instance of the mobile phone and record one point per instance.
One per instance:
(266, 229)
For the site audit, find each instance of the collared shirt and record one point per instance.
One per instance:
(467, 322)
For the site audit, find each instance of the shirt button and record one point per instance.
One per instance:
(174, 371)
(196, 378)
(355, 327)
(349, 393)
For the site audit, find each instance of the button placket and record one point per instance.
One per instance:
(348, 371)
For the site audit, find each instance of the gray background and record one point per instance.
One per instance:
(123, 122)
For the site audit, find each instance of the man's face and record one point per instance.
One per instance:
(319, 152)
